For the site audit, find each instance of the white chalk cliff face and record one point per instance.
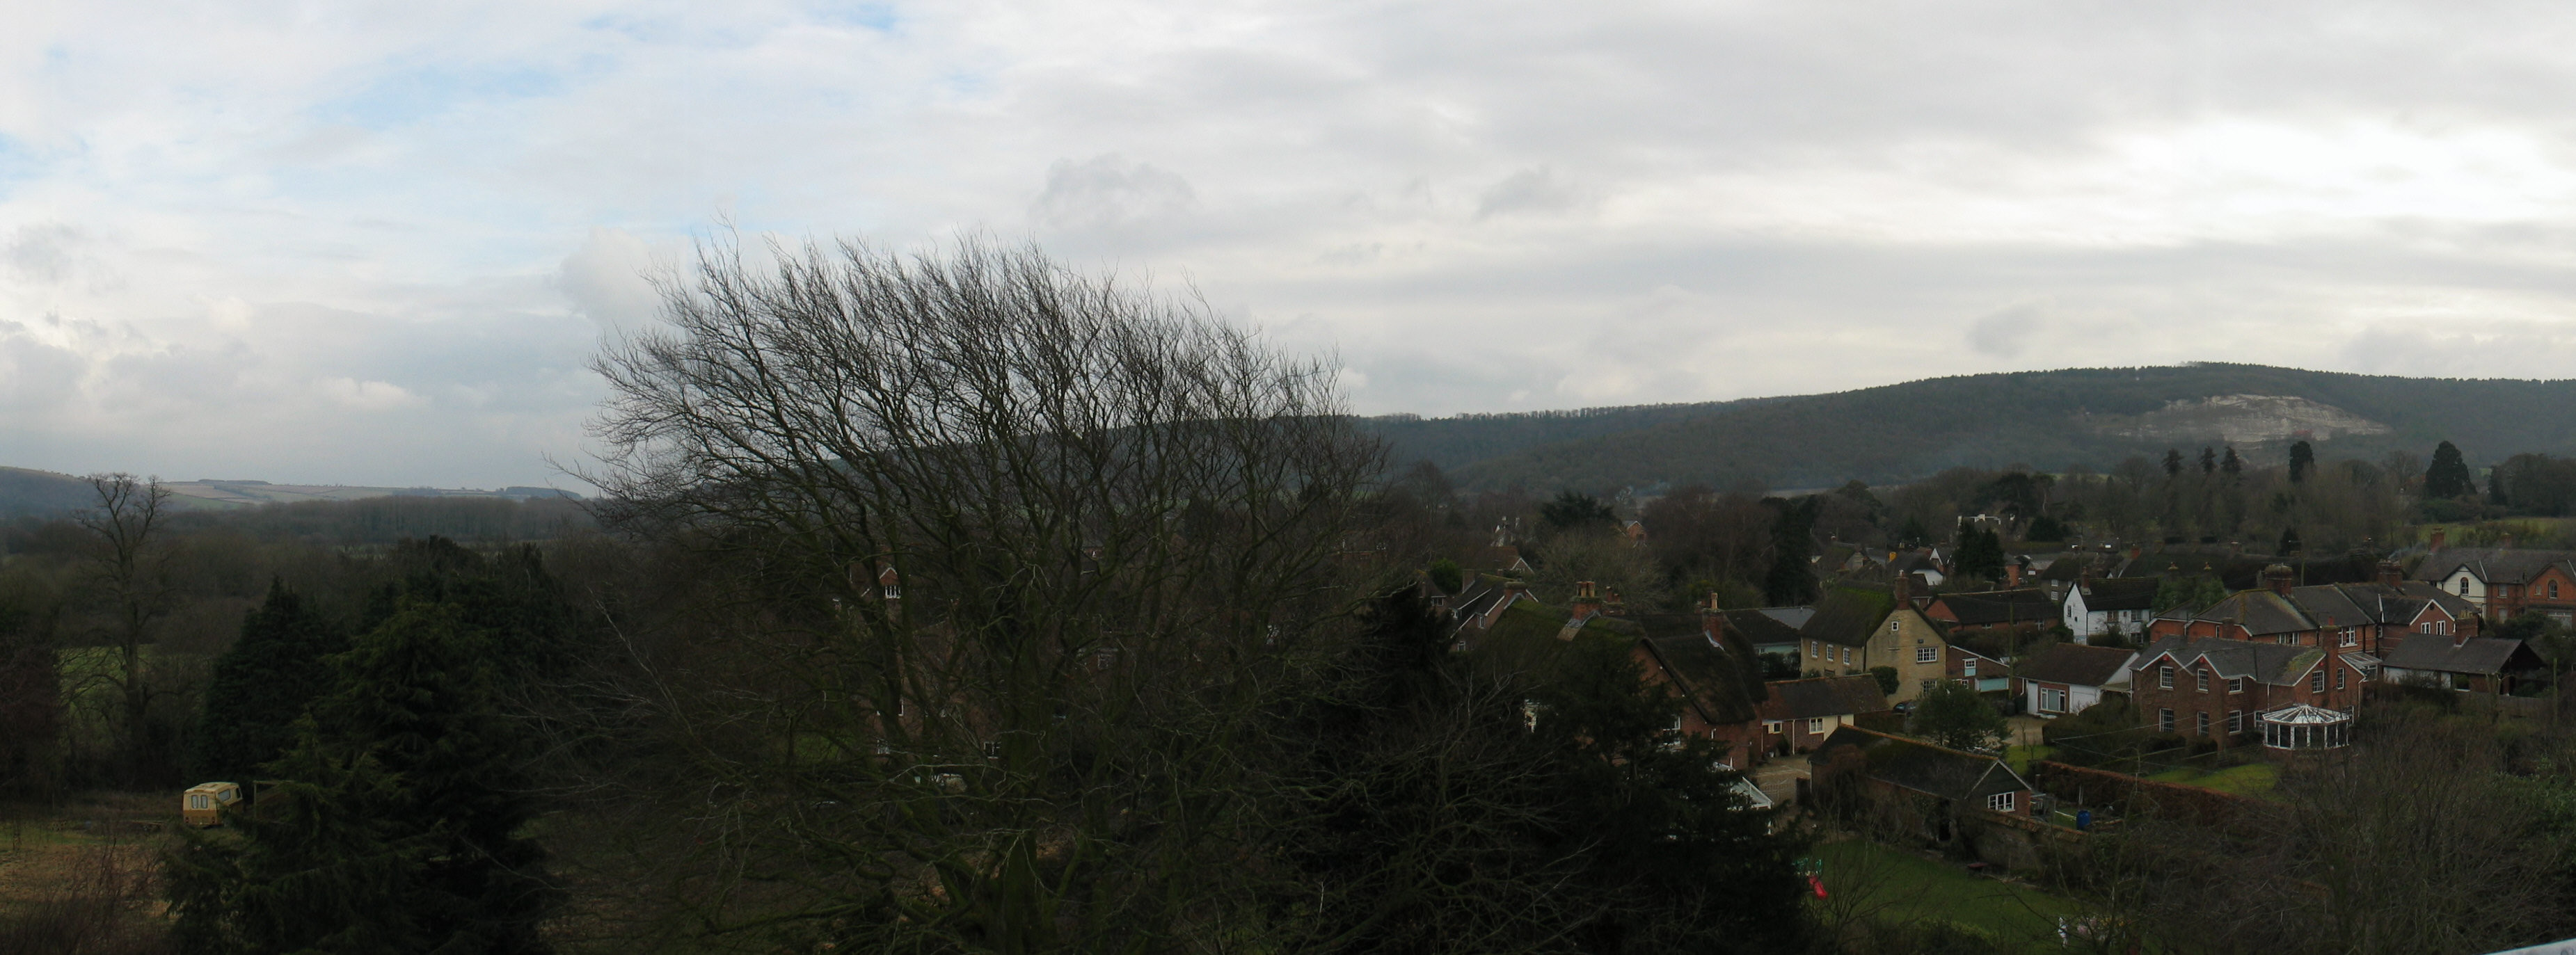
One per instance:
(2240, 419)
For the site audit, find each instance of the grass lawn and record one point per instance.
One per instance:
(2020, 757)
(1893, 885)
(2251, 779)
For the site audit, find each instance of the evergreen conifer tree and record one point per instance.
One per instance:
(2232, 464)
(2173, 462)
(2303, 459)
(2448, 476)
(399, 826)
(2208, 460)
(259, 686)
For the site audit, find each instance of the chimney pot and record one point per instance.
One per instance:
(2392, 573)
(2278, 578)
(2439, 536)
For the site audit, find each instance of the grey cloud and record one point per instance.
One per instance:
(1529, 190)
(1107, 191)
(609, 280)
(2003, 334)
(42, 252)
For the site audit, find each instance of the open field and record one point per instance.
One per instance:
(1897, 886)
(81, 876)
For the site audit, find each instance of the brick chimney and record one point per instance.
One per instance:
(2012, 575)
(2439, 535)
(1586, 602)
(2278, 578)
(1614, 606)
(1905, 590)
(1712, 622)
(2392, 573)
(2136, 550)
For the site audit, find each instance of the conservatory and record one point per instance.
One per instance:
(2303, 727)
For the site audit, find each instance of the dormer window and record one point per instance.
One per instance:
(2464, 586)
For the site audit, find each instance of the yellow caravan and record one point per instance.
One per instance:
(204, 804)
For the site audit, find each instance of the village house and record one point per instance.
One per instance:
(2364, 618)
(1797, 715)
(2470, 664)
(2095, 607)
(1855, 629)
(2019, 609)
(2220, 689)
(1715, 675)
(1985, 673)
(2502, 581)
(2068, 677)
(1935, 786)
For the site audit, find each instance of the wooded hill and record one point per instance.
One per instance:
(2049, 420)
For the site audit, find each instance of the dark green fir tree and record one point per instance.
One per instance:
(258, 688)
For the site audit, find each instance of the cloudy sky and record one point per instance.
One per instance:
(328, 243)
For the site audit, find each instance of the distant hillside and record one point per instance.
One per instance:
(28, 492)
(1466, 439)
(25, 492)
(2092, 416)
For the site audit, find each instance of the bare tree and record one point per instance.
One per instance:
(131, 575)
(1018, 558)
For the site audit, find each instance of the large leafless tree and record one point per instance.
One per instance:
(1014, 559)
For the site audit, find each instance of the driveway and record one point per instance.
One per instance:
(1778, 778)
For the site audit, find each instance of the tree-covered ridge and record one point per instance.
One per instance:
(2048, 419)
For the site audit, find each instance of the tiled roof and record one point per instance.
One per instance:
(2076, 664)
(2324, 606)
(2001, 607)
(2494, 565)
(2273, 663)
(2485, 655)
(1848, 616)
(2122, 593)
(1762, 628)
(1923, 767)
(1725, 681)
(1823, 696)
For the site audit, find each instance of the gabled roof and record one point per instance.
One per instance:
(1923, 767)
(1723, 680)
(1763, 627)
(2272, 663)
(1913, 561)
(2327, 606)
(2121, 593)
(2076, 664)
(2494, 565)
(1849, 616)
(1823, 696)
(2001, 607)
(2476, 655)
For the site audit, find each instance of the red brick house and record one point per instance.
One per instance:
(2504, 581)
(2366, 618)
(1797, 715)
(2219, 688)
(1716, 675)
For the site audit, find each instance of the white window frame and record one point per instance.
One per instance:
(1815, 725)
(1771, 726)
(2164, 677)
(1927, 654)
(2001, 802)
(1968, 667)
(2164, 720)
(2235, 722)
(2235, 684)
(2317, 682)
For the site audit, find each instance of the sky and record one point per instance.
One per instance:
(377, 243)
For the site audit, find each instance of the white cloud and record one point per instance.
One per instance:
(221, 226)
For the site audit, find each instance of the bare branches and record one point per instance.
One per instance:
(1016, 558)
